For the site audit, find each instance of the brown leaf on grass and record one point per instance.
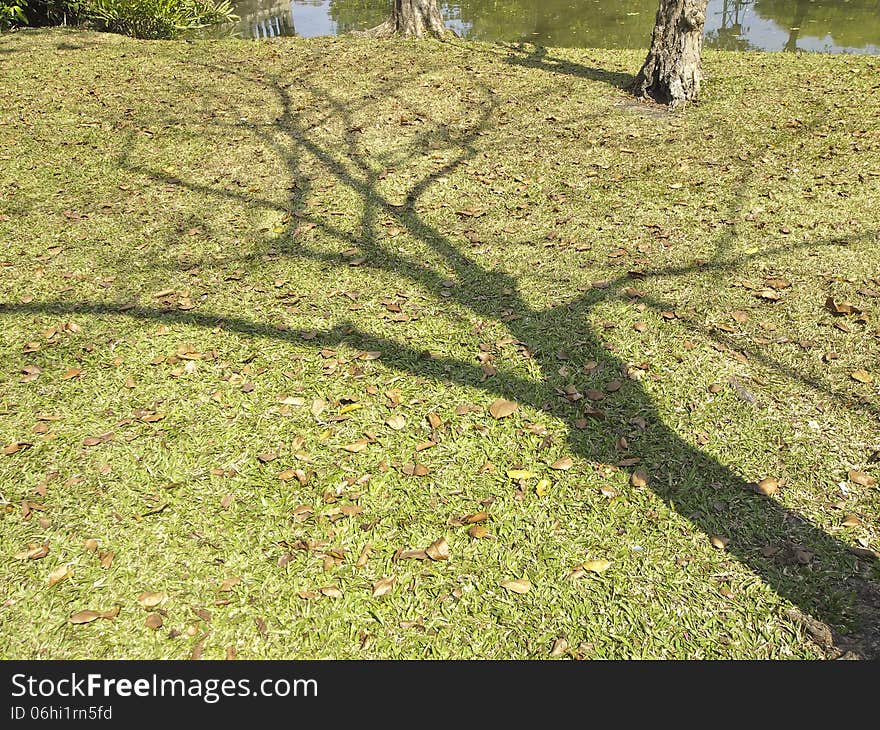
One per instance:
(331, 591)
(152, 417)
(415, 470)
(287, 475)
(434, 421)
(87, 616)
(639, 479)
(151, 599)
(317, 407)
(841, 308)
(768, 294)
(412, 555)
(859, 477)
(396, 422)
(563, 464)
(71, 373)
(475, 518)
(718, 542)
(91, 544)
(777, 282)
(560, 647)
(862, 376)
(501, 408)
(357, 447)
(383, 586)
(34, 552)
(364, 556)
(267, 456)
(153, 621)
(478, 532)
(438, 550)
(102, 439)
(851, 521)
(62, 572)
(520, 585)
(767, 486)
(229, 583)
(640, 326)
(227, 500)
(106, 558)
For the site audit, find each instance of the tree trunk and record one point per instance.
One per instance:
(671, 73)
(411, 19)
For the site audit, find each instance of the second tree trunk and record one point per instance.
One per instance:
(411, 18)
(672, 71)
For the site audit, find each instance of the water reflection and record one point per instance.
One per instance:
(834, 26)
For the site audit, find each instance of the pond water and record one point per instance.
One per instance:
(834, 26)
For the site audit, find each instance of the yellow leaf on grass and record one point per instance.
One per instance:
(596, 566)
(517, 586)
(519, 474)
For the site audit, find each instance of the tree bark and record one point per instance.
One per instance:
(672, 73)
(411, 19)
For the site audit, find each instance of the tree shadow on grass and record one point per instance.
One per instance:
(539, 59)
(802, 563)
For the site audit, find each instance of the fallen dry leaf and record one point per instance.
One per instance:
(383, 586)
(153, 621)
(357, 446)
(364, 556)
(396, 422)
(862, 376)
(596, 566)
(151, 599)
(520, 585)
(87, 616)
(501, 408)
(563, 464)
(639, 479)
(859, 477)
(34, 552)
(59, 574)
(438, 550)
(719, 542)
(519, 474)
(229, 583)
(768, 486)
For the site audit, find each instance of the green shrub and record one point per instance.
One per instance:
(158, 18)
(12, 13)
(136, 18)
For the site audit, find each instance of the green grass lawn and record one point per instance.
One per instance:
(257, 298)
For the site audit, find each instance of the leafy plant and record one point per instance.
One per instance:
(159, 19)
(12, 13)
